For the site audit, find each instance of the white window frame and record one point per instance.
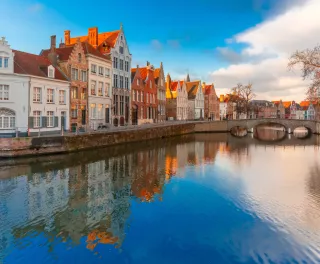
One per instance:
(107, 72)
(4, 92)
(83, 75)
(36, 119)
(107, 89)
(101, 71)
(50, 118)
(93, 68)
(62, 97)
(37, 94)
(74, 74)
(93, 83)
(50, 96)
(100, 85)
(6, 62)
(93, 111)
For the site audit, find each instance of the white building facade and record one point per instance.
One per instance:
(14, 93)
(100, 93)
(182, 101)
(49, 105)
(121, 86)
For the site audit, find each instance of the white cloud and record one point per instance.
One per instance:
(35, 8)
(297, 28)
(156, 44)
(174, 44)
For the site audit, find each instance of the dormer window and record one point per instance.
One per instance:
(50, 72)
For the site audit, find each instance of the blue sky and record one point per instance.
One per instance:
(185, 35)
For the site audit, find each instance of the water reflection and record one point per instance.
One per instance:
(270, 133)
(301, 132)
(209, 192)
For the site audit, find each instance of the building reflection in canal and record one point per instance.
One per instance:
(88, 195)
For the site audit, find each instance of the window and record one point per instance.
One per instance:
(121, 48)
(101, 71)
(141, 112)
(51, 73)
(6, 62)
(37, 94)
(50, 119)
(138, 81)
(133, 95)
(115, 81)
(121, 81)
(50, 96)
(100, 89)
(93, 68)
(150, 84)
(4, 92)
(141, 97)
(74, 92)
(107, 89)
(84, 76)
(62, 97)
(0, 62)
(74, 113)
(93, 87)
(36, 119)
(126, 84)
(126, 66)
(79, 57)
(121, 104)
(121, 64)
(99, 111)
(147, 98)
(74, 74)
(115, 63)
(7, 119)
(138, 96)
(107, 72)
(93, 111)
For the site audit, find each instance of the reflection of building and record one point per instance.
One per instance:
(147, 179)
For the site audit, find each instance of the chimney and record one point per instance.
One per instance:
(53, 43)
(52, 56)
(67, 37)
(148, 63)
(93, 36)
(168, 81)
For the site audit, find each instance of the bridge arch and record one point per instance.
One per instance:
(288, 124)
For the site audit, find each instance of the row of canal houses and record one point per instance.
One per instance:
(87, 83)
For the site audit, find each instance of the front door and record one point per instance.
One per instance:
(83, 116)
(63, 120)
(107, 115)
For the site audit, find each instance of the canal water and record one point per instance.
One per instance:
(204, 198)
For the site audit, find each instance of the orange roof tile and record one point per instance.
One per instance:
(36, 65)
(207, 89)
(109, 38)
(157, 73)
(286, 104)
(192, 88)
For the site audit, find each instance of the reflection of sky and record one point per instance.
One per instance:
(253, 209)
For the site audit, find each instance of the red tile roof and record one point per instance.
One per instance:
(64, 53)
(157, 73)
(143, 73)
(36, 65)
(208, 89)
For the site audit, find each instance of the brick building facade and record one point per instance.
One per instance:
(160, 82)
(72, 61)
(115, 45)
(211, 102)
(144, 95)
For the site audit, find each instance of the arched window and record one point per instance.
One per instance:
(7, 118)
(79, 57)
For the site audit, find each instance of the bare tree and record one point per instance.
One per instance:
(242, 95)
(309, 60)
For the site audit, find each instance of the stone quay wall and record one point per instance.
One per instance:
(16, 147)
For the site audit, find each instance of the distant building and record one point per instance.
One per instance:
(195, 100)
(280, 109)
(211, 102)
(144, 95)
(176, 100)
(161, 94)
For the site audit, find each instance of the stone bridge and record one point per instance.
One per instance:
(289, 124)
